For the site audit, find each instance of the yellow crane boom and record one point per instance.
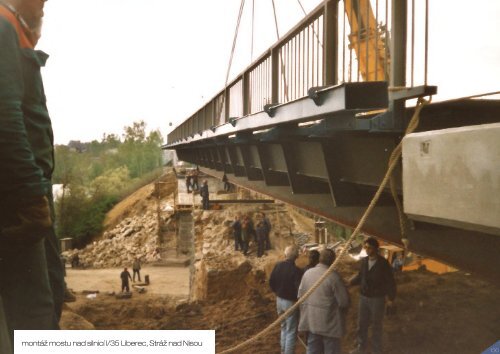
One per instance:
(368, 40)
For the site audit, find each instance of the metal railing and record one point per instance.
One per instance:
(339, 41)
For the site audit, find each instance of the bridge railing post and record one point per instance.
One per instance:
(246, 93)
(275, 53)
(227, 104)
(330, 42)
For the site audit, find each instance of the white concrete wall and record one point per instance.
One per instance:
(452, 177)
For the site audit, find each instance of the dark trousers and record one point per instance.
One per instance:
(138, 274)
(260, 245)
(267, 242)
(237, 242)
(26, 290)
(125, 286)
(31, 282)
(244, 247)
(227, 186)
(56, 271)
(371, 313)
(317, 344)
(205, 203)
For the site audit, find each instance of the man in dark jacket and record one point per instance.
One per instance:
(284, 281)
(376, 281)
(268, 226)
(31, 273)
(125, 276)
(188, 182)
(260, 231)
(227, 186)
(237, 233)
(205, 195)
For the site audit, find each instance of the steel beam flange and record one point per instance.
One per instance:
(270, 109)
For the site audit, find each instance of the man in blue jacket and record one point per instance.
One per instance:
(31, 274)
(376, 281)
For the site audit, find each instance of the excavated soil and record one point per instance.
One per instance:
(448, 313)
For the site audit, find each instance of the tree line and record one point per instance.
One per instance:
(98, 174)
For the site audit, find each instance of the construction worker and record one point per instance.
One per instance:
(236, 225)
(188, 182)
(322, 314)
(245, 234)
(398, 263)
(194, 177)
(205, 195)
(284, 282)
(75, 261)
(376, 280)
(125, 276)
(31, 274)
(260, 231)
(268, 226)
(136, 269)
(227, 186)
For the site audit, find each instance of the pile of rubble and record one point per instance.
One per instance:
(135, 236)
(220, 272)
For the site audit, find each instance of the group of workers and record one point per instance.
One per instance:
(192, 186)
(244, 232)
(192, 180)
(125, 275)
(323, 312)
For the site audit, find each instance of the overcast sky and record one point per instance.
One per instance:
(113, 62)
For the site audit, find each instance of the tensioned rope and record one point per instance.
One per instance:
(285, 86)
(232, 54)
(493, 93)
(315, 34)
(393, 161)
(253, 19)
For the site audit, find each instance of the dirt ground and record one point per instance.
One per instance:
(163, 280)
(448, 313)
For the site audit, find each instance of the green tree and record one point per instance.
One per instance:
(111, 183)
(95, 175)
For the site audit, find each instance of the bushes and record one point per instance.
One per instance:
(96, 175)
